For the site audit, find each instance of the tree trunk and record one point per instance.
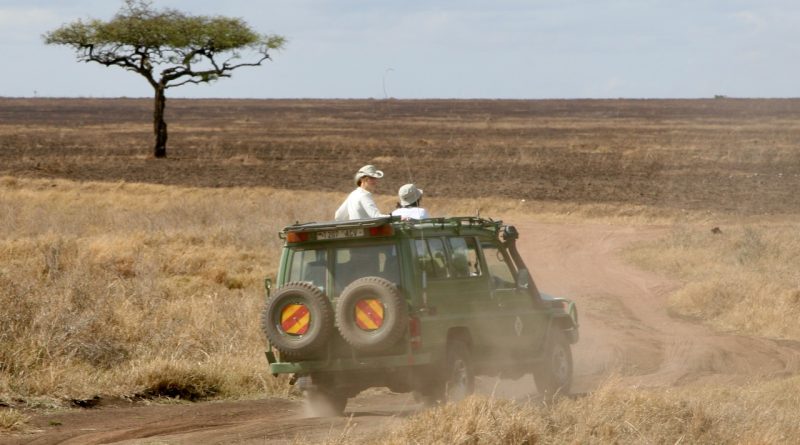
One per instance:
(159, 125)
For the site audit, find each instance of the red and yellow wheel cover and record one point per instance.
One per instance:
(295, 319)
(369, 314)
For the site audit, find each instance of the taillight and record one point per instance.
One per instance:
(414, 333)
(296, 237)
(384, 230)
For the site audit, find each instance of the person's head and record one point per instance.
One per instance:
(367, 177)
(410, 195)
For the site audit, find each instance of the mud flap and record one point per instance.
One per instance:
(303, 382)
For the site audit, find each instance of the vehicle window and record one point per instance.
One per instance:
(432, 257)
(465, 257)
(424, 259)
(439, 255)
(352, 263)
(499, 267)
(309, 266)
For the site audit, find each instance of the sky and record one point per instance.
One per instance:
(516, 49)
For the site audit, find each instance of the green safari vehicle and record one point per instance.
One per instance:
(416, 306)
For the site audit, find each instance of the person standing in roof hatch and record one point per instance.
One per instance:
(359, 203)
(410, 202)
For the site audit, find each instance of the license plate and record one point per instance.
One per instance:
(341, 233)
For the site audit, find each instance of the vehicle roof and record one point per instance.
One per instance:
(455, 224)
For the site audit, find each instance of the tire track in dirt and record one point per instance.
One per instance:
(625, 327)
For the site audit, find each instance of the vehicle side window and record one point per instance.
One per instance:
(423, 257)
(309, 266)
(432, 257)
(499, 267)
(464, 257)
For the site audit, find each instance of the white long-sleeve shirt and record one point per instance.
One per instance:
(411, 213)
(358, 205)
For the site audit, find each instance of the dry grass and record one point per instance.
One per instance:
(11, 420)
(744, 279)
(612, 414)
(144, 290)
(123, 289)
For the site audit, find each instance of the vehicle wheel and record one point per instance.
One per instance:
(553, 376)
(324, 403)
(459, 375)
(298, 321)
(371, 314)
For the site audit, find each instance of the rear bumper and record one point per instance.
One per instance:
(349, 364)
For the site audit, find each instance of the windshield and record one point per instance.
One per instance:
(345, 265)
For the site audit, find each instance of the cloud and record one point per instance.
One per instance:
(25, 24)
(752, 21)
(26, 17)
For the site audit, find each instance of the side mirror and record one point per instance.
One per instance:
(523, 279)
(510, 233)
(268, 286)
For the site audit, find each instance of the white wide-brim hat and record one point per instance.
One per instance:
(409, 194)
(368, 170)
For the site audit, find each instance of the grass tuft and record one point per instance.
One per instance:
(12, 420)
(179, 381)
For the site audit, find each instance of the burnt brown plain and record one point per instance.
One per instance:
(730, 155)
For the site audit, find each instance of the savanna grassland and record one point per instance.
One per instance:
(728, 155)
(122, 276)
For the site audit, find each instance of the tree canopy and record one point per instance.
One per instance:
(168, 47)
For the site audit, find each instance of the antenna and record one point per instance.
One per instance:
(386, 73)
(408, 168)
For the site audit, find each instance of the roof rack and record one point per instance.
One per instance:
(456, 222)
(453, 222)
(314, 226)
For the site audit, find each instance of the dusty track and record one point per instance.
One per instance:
(625, 327)
(626, 332)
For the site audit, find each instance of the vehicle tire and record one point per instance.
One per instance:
(553, 376)
(371, 314)
(298, 321)
(459, 374)
(324, 403)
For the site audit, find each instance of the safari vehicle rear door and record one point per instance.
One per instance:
(523, 322)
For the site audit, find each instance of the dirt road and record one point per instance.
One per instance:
(625, 332)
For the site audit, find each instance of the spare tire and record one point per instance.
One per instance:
(298, 321)
(371, 314)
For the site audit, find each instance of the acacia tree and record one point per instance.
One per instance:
(167, 47)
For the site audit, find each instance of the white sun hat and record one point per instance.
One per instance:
(409, 194)
(368, 170)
